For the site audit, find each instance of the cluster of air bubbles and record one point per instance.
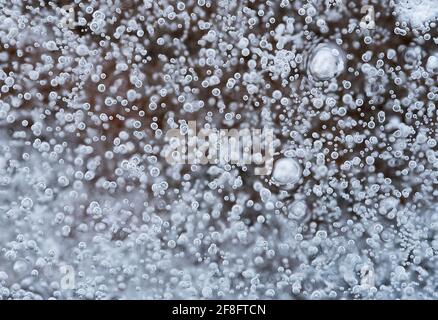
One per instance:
(119, 173)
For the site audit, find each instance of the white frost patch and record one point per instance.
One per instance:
(417, 12)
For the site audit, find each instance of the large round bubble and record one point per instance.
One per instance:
(326, 62)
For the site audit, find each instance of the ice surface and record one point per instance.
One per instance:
(338, 201)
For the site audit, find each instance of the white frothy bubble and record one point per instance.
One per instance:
(297, 210)
(326, 62)
(432, 64)
(287, 171)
